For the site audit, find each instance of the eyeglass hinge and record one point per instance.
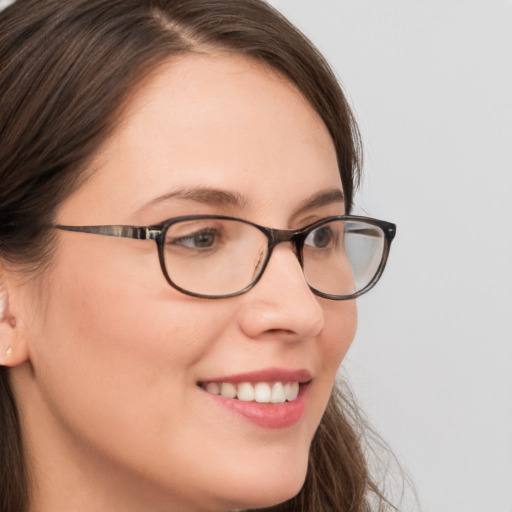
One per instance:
(151, 234)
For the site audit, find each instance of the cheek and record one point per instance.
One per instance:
(111, 296)
(339, 331)
(117, 348)
(333, 344)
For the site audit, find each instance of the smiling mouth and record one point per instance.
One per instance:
(259, 392)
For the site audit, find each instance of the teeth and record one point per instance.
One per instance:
(228, 390)
(278, 396)
(213, 387)
(245, 392)
(261, 392)
(293, 391)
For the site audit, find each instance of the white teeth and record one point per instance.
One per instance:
(293, 391)
(228, 390)
(245, 392)
(278, 396)
(261, 392)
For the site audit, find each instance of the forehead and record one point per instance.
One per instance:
(219, 121)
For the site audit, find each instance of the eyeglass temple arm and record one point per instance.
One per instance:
(134, 232)
(389, 232)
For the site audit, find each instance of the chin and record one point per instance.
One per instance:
(270, 489)
(264, 498)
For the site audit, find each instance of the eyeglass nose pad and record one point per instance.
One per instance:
(298, 246)
(294, 237)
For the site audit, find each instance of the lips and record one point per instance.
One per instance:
(272, 398)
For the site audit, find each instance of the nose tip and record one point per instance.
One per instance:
(282, 302)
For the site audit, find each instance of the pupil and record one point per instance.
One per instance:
(204, 239)
(321, 237)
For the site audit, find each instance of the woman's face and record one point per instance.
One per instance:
(115, 406)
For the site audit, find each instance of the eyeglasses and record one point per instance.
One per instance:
(214, 256)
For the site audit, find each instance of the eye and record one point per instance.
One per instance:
(202, 239)
(320, 238)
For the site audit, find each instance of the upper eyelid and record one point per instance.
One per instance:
(304, 221)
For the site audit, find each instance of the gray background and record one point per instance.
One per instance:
(431, 85)
(5, 3)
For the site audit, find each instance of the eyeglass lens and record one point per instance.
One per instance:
(216, 257)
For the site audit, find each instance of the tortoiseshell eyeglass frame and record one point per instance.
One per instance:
(297, 237)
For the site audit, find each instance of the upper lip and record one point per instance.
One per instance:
(266, 375)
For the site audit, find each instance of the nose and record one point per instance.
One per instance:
(282, 304)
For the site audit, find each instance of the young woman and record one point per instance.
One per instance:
(178, 261)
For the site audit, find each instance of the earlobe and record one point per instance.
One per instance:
(13, 350)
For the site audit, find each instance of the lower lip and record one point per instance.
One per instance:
(267, 415)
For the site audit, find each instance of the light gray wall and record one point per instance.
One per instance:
(431, 85)
(5, 3)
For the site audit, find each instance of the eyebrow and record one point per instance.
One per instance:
(322, 198)
(219, 197)
(204, 195)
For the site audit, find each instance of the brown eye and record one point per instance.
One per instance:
(203, 239)
(319, 238)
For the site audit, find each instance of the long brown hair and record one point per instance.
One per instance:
(66, 70)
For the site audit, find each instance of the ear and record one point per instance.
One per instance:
(13, 347)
